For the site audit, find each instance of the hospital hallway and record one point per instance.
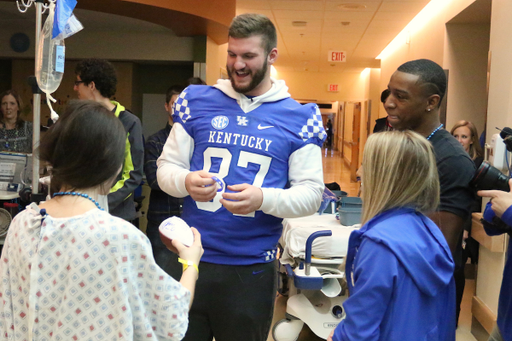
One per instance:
(335, 170)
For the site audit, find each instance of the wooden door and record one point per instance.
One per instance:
(356, 127)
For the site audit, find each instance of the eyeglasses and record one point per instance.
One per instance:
(77, 83)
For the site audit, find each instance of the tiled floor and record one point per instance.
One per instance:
(336, 171)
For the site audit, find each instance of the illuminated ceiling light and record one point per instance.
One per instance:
(431, 10)
(351, 7)
(299, 23)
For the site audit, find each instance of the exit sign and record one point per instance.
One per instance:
(332, 87)
(337, 56)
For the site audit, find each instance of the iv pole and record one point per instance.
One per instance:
(41, 7)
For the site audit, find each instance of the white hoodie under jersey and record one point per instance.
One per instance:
(269, 128)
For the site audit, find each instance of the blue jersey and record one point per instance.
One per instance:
(239, 147)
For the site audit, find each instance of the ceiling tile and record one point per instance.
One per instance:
(348, 16)
(253, 4)
(337, 37)
(296, 38)
(334, 22)
(304, 50)
(377, 37)
(311, 5)
(388, 30)
(268, 13)
(384, 24)
(368, 33)
(369, 49)
(298, 15)
(403, 6)
(337, 7)
(286, 24)
(340, 29)
(300, 33)
(392, 16)
(304, 54)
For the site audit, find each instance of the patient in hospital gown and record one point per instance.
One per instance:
(71, 271)
(399, 266)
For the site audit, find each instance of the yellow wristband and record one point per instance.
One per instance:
(186, 264)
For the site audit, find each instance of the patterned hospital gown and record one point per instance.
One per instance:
(90, 277)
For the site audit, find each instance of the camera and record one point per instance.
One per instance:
(489, 177)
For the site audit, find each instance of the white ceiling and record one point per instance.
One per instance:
(369, 31)
(371, 27)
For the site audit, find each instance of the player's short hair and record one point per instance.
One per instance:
(431, 75)
(251, 24)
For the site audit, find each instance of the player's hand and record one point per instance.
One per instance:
(500, 200)
(193, 252)
(246, 199)
(330, 336)
(195, 183)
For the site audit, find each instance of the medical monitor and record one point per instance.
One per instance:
(15, 171)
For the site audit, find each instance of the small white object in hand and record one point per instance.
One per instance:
(177, 228)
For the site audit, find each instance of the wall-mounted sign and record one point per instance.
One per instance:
(337, 56)
(332, 87)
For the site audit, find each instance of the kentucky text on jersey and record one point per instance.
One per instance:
(239, 139)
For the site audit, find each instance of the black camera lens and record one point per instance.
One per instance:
(488, 177)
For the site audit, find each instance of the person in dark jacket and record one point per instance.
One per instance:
(382, 124)
(399, 266)
(96, 80)
(161, 205)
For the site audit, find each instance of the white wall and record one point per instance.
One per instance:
(466, 58)
(426, 40)
(313, 85)
(215, 60)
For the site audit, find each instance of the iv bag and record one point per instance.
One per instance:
(50, 57)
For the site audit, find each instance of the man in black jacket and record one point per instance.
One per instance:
(96, 80)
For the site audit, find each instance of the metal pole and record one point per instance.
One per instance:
(37, 107)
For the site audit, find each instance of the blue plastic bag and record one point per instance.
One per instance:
(328, 198)
(63, 11)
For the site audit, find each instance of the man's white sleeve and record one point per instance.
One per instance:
(174, 163)
(306, 186)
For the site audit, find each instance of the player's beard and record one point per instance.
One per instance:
(257, 78)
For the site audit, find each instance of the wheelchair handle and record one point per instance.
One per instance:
(309, 246)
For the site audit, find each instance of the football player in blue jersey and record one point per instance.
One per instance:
(244, 155)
